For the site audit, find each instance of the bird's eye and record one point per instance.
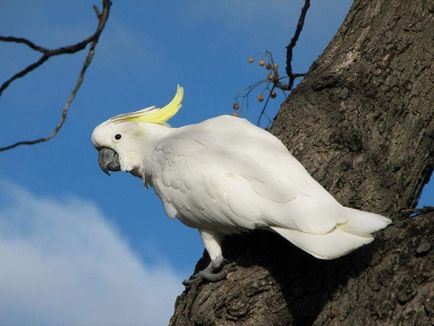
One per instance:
(118, 136)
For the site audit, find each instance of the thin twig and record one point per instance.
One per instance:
(103, 17)
(273, 77)
(285, 87)
(293, 43)
(265, 106)
(24, 72)
(417, 211)
(48, 53)
(250, 88)
(21, 40)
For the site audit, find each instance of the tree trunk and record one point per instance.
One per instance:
(362, 123)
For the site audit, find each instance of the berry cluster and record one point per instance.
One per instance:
(272, 79)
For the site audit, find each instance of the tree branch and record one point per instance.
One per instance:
(273, 77)
(21, 40)
(416, 211)
(265, 106)
(48, 53)
(24, 72)
(294, 39)
(93, 40)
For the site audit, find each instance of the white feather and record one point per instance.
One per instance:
(363, 222)
(325, 246)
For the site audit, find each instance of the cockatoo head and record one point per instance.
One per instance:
(122, 141)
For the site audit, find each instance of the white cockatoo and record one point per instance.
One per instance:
(225, 176)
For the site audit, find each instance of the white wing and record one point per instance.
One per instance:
(228, 175)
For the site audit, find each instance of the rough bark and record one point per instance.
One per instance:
(362, 123)
(271, 282)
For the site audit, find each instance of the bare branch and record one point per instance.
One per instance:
(48, 53)
(284, 86)
(274, 81)
(97, 12)
(293, 43)
(21, 40)
(265, 106)
(103, 17)
(23, 72)
(417, 211)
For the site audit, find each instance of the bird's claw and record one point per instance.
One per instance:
(201, 276)
(208, 274)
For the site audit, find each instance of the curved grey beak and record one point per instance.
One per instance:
(108, 160)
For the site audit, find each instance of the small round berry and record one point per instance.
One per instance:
(261, 62)
(273, 94)
(236, 106)
(251, 59)
(270, 76)
(268, 66)
(260, 97)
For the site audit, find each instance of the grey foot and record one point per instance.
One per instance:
(209, 273)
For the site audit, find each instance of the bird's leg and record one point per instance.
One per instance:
(212, 242)
(209, 273)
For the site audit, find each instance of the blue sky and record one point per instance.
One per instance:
(55, 188)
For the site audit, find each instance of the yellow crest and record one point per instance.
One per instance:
(154, 114)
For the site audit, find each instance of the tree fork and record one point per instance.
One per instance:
(362, 123)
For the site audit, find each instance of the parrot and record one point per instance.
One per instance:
(227, 176)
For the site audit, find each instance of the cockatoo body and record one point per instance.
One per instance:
(225, 176)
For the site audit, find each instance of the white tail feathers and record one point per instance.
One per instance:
(341, 240)
(325, 246)
(363, 222)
